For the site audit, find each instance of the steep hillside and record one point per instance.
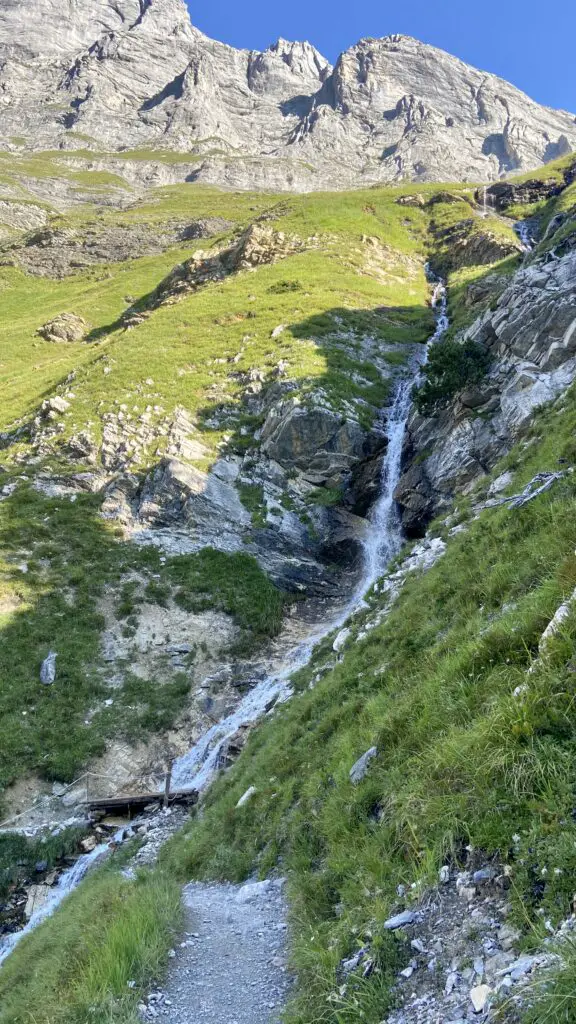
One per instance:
(125, 75)
(232, 404)
(204, 402)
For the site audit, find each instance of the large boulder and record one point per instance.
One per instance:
(66, 327)
(318, 442)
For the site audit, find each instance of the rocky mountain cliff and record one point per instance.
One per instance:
(135, 74)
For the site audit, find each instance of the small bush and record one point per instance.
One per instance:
(451, 367)
(285, 286)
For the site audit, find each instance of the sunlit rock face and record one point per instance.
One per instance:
(120, 74)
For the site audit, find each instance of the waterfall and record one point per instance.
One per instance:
(66, 883)
(523, 229)
(195, 769)
(385, 536)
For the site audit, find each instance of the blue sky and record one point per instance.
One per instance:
(532, 44)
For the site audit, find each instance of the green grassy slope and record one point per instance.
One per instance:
(339, 287)
(461, 759)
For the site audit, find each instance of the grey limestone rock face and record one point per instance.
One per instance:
(531, 334)
(317, 441)
(113, 75)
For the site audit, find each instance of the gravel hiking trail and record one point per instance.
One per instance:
(230, 967)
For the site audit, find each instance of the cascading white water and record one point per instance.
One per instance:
(66, 883)
(523, 229)
(384, 539)
(195, 769)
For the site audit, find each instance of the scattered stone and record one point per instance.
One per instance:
(38, 896)
(349, 965)
(451, 982)
(247, 796)
(418, 945)
(341, 639)
(500, 484)
(359, 769)
(483, 875)
(400, 921)
(479, 967)
(508, 936)
(48, 669)
(479, 996)
(55, 405)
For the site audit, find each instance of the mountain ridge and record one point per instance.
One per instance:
(137, 74)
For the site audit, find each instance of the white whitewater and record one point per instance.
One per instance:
(195, 769)
(66, 883)
(383, 541)
(523, 229)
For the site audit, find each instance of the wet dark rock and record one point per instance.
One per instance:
(503, 194)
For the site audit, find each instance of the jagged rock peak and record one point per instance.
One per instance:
(122, 74)
(48, 27)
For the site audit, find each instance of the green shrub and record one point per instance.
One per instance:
(451, 367)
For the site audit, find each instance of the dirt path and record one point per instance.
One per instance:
(231, 965)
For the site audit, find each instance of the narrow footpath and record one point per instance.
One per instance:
(230, 967)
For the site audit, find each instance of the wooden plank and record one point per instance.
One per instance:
(133, 803)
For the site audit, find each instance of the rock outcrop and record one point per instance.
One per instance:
(66, 327)
(319, 443)
(257, 246)
(531, 334)
(503, 194)
(135, 74)
(58, 252)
